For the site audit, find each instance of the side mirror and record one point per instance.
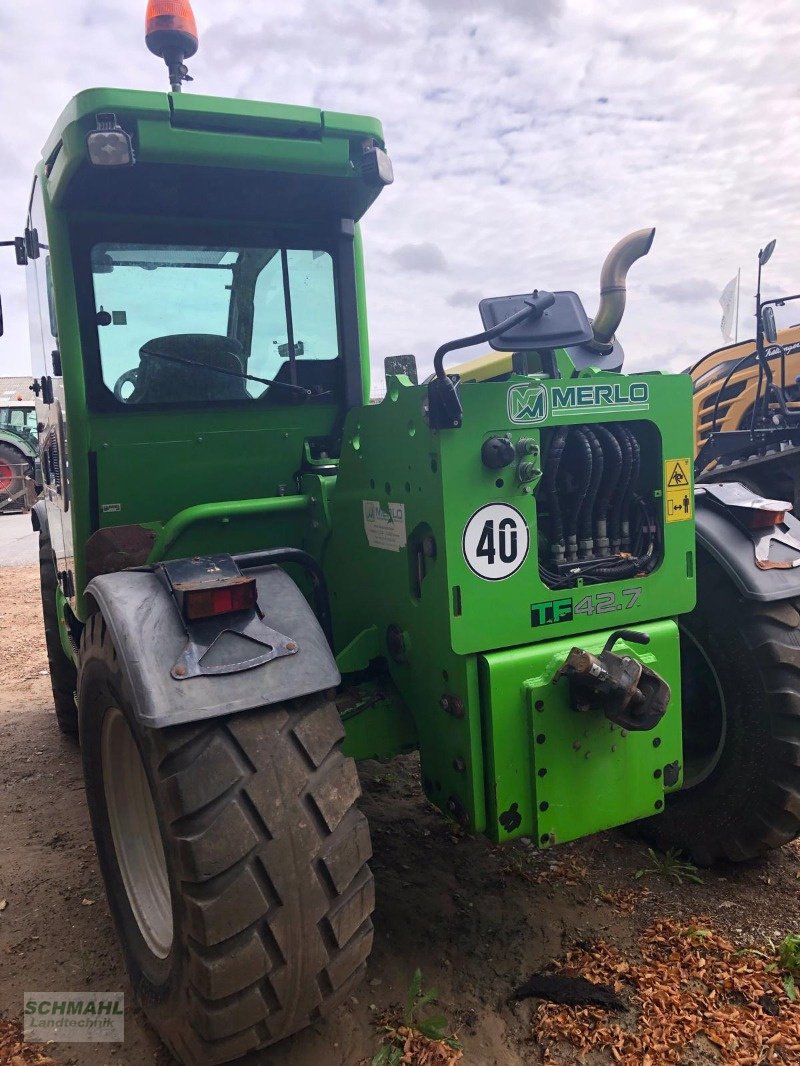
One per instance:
(557, 320)
(768, 324)
(284, 350)
(765, 254)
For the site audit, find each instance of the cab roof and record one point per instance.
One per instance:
(174, 130)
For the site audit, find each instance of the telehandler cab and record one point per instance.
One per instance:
(251, 577)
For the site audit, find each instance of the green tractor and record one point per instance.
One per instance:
(252, 577)
(19, 445)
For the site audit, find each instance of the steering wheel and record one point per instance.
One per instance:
(130, 377)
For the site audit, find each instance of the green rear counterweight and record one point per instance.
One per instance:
(474, 659)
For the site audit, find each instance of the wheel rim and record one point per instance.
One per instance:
(705, 715)
(6, 476)
(136, 835)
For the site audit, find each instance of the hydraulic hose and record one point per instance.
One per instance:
(612, 468)
(580, 466)
(586, 515)
(623, 486)
(633, 483)
(630, 566)
(550, 492)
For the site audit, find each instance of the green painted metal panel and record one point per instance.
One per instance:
(467, 485)
(86, 104)
(556, 774)
(193, 111)
(160, 142)
(153, 465)
(433, 482)
(378, 724)
(448, 496)
(353, 125)
(196, 111)
(389, 455)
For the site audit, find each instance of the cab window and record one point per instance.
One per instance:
(181, 324)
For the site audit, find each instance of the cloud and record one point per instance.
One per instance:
(527, 137)
(426, 258)
(541, 12)
(465, 298)
(687, 291)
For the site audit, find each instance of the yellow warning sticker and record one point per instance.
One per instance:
(678, 489)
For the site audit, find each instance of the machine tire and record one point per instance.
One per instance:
(12, 464)
(63, 675)
(268, 893)
(749, 801)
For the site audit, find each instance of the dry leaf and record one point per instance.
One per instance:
(679, 990)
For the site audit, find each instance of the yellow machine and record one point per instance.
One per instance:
(726, 383)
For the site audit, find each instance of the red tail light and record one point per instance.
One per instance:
(223, 599)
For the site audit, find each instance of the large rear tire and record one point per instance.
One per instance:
(63, 675)
(13, 465)
(740, 667)
(235, 861)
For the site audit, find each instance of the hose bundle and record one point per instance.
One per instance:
(596, 517)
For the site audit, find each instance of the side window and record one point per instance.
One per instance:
(41, 303)
(144, 293)
(38, 364)
(269, 346)
(313, 303)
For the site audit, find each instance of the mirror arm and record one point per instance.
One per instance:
(18, 244)
(530, 310)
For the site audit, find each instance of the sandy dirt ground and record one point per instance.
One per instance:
(477, 920)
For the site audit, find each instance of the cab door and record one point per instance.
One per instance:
(49, 388)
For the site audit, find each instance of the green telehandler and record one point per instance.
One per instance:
(252, 577)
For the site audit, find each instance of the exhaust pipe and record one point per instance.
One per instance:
(612, 283)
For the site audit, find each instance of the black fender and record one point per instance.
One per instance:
(39, 516)
(730, 545)
(149, 636)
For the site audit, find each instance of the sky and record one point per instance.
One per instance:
(527, 137)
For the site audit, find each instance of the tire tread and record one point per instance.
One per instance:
(252, 801)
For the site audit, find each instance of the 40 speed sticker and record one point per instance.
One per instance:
(496, 541)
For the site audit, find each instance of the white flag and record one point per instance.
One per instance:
(728, 303)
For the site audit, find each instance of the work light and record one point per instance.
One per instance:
(109, 145)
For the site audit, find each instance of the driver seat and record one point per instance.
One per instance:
(160, 381)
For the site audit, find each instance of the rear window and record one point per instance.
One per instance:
(197, 324)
